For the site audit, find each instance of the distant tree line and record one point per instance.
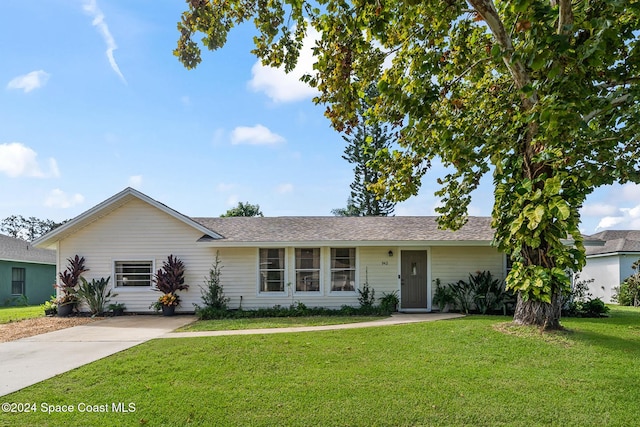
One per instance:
(27, 229)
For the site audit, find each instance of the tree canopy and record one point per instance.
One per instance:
(543, 94)
(29, 228)
(243, 209)
(364, 143)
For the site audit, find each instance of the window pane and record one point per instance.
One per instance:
(134, 273)
(307, 281)
(307, 269)
(272, 270)
(343, 280)
(343, 269)
(343, 258)
(17, 281)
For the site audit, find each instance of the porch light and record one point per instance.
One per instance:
(390, 253)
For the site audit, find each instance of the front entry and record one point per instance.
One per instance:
(413, 279)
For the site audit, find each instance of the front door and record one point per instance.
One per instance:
(413, 279)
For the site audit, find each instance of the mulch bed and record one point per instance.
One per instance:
(40, 325)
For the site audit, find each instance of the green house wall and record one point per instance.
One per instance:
(39, 280)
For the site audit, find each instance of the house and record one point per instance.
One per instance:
(319, 261)
(25, 271)
(610, 264)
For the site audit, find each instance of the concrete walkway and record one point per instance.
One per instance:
(30, 360)
(395, 319)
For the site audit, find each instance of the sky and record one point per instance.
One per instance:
(92, 101)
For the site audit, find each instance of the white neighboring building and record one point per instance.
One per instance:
(611, 263)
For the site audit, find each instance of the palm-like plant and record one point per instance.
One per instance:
(170, 279)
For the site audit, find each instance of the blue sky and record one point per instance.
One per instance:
(92, 100)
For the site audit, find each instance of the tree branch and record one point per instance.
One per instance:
(487, 10)
(565, 16)
(616, 102)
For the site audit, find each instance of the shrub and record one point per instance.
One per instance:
(212, 293)
(463, 295)
(170, 279)
(389, 302)
(442, 296)
(579, 302)
(95, 294)
(628, 293)
(70, 279)
(489, 293)
(366, 295)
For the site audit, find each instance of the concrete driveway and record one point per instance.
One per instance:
(30, 360)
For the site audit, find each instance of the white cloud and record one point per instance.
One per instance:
(135, 181)
(233, 200)
(626, 219)
(59, 199)
(18, 160)
(29, 81)
(256, 135)
(631, 192)
(91, 8)
(284, 188)
(598, 209)
(283, 87)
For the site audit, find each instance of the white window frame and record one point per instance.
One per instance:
(284, 269)
(319, 270)
(355, 271)
(120, 287)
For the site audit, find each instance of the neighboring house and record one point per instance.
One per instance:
(319, 261)
(608, 265)
(25, 271)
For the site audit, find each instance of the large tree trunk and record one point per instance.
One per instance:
(536, 313)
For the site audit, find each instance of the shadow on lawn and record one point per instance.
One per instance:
(630, 345)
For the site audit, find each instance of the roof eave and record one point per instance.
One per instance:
(359, 243)
(109, 205)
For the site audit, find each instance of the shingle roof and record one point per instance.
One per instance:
(314, 229)
(615, 241)
(12, 249)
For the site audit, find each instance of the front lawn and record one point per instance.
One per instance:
(455, 372)
(12, 314)
(273, 322)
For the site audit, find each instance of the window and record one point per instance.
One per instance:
(272, 270)
(343, 269)
(17, 281)
(307, 269)
(133, 273)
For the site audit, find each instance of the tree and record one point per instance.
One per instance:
(540, 93)
(243, 209)
(27, 228)
(368, 139)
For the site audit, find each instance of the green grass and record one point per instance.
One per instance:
(273, 322)
(12, 314)
(447, 373)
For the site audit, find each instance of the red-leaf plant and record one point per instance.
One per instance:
(170, 279)
(70, 279)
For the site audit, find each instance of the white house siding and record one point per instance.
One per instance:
(240, 278)
(381, 268)
(450, 264)
(607, 272)
(139, 231)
